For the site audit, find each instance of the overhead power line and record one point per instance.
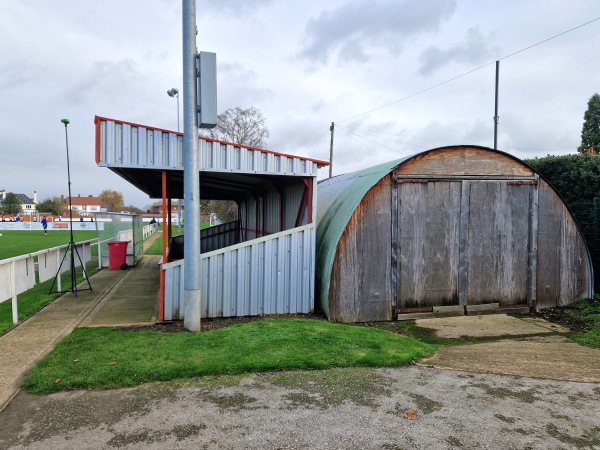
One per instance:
(469, 72)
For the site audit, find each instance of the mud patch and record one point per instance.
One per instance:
(179, 432)
(332, 387)
(526, 396)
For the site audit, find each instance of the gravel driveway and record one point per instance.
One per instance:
(331, 409)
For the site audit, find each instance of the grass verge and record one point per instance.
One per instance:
(582, 318)
(156, 247)
(115, 358)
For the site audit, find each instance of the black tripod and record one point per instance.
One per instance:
(71, 249)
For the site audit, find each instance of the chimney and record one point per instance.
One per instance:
(78, 195)
(590, 150)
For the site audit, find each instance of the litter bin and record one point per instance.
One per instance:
(117, 254)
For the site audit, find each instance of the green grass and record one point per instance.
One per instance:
(156, 247)
(32, 300)
(584, 318)
(114, 358)
(15, 243)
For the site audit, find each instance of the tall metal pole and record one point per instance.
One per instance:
(72, 256)
(331, 128)
(191, 174)
(496, 118)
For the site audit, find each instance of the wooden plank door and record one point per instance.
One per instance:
(497, 239)
(428, 220)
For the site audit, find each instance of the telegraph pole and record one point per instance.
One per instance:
(496, 118)
(331, 128)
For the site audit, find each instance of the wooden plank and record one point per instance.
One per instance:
(498, 242)
(360, 287)
(464, 161)
(563, 271)
(428, 228)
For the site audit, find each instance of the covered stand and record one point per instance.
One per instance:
(261, 263)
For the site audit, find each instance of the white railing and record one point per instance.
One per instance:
(18, 274)
(148, 230)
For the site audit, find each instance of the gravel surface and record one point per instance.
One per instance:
(332, 409)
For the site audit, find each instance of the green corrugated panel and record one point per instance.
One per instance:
(338, 197)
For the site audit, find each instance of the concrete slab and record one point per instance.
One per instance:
(549, 357)
(488, 325)
(134, 301)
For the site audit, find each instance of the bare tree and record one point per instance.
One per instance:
(245, 126)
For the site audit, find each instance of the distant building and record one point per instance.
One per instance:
(28, 205)
(84, 206)
(156, 207)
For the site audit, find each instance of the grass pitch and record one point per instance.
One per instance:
(16, 242)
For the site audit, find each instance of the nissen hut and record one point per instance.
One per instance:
(464, 227)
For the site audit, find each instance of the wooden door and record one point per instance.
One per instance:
(462, 242)
(497, 241)
(428, 238)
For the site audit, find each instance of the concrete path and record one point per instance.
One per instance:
(539, 353)
(22, 347)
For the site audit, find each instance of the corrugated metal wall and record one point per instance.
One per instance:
(270, 275)
(262, 215)
(219, 236)
(131, 145)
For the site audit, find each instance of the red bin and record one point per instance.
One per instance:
(117, 254)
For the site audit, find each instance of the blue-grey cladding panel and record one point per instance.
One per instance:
(270, 275)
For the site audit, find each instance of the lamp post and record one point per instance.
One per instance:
(175, 93)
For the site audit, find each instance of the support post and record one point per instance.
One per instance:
(332, 129)
(191, 174)
(161, 289)
(496, 118)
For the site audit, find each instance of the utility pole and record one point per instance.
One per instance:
(496, 118)
(331, 128)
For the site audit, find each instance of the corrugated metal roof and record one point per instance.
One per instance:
(338, 198)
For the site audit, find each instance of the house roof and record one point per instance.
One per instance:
(83, 201)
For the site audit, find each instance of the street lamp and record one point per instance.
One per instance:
(175, 93)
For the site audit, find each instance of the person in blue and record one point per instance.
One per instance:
(45, 225)
(153, 221)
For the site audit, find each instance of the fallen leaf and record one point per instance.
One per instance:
(112, 363)
(75, 360)
(57, 381)
(410, 414)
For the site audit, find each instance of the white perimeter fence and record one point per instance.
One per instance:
(22, 273)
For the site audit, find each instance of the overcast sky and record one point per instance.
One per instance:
(304, 64)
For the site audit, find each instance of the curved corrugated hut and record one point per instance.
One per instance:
(454, 226)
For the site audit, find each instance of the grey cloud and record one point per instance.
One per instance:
(474, 49)
(236, 7)
(242, 87)
(106, 78)
(356, 26)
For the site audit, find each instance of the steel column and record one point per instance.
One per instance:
(191, 173)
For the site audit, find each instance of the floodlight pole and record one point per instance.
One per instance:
(191, 174)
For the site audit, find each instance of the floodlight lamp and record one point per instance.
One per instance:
(65, 121)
